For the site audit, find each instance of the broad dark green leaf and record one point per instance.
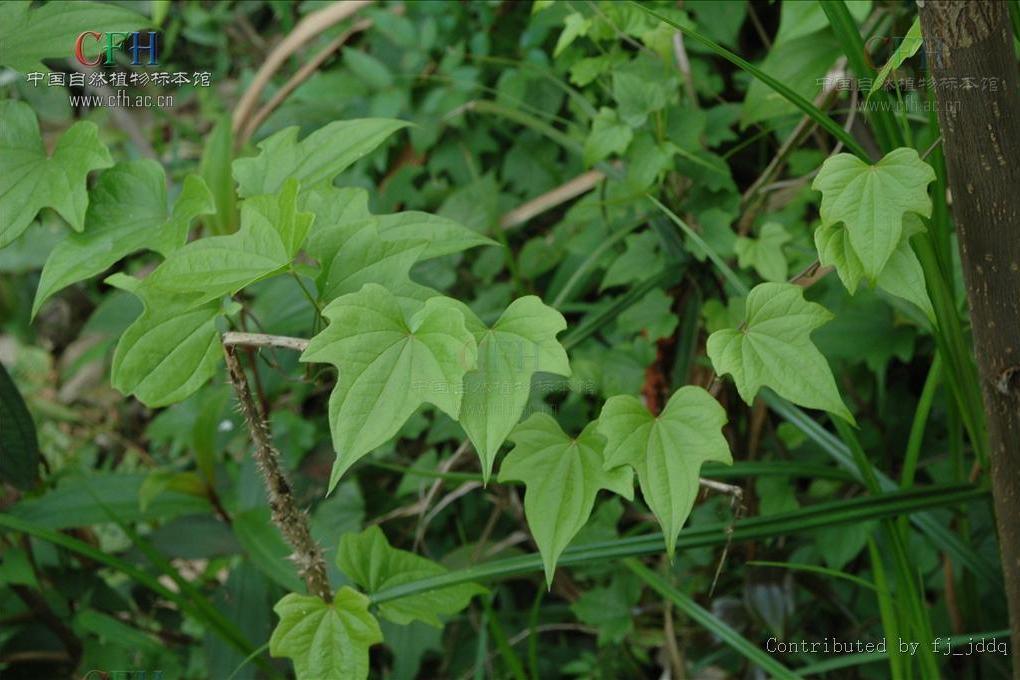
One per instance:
(19, 448)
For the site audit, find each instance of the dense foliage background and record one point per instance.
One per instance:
(635, 180)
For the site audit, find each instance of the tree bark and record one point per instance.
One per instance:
(969, 44)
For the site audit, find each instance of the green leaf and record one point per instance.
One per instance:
(325, 640)
(210, 268)
(520, 343)
(266, 548)
(563, 475)
(29, 35)
(127, 213)
(368, 69)
(912, 42)
(651, 316)
(608, 135)
(215, 170)
(902, 275)
(636, 97)
(574, 26)
(765, 253)
(72, 503)
(798, 63)
(30, 180)
(369, 560)
(443, 235)
(666, 450)
(355, 247)
(280, 212)
(610, 609)
(773, 349)
(798, 19)
(19, 447)
(363, 256)
(871, 201)
(389, 365)
(640, 257)
(319, 157)
(169, 351)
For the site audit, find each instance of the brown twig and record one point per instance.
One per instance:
(234, 338)
(684, 65)
(306, 29)
(295, 80)
(292, 522)
(561, 194)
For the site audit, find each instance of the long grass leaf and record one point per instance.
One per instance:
(809, 109)
(755, 528)
(710, 622)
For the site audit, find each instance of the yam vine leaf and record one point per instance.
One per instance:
(31, 180)
(608, 135)
(764, 253)
(902, 275)
(388, 365)
(30, 34)
(369, 560)
(363, 256)
(127, 213)
(317, 158)
(209, 268)
(325, 639)
(355, 247)
(666, 450)
(562, 475)
(280, 212)
(170, 350)
(773, 349)
(871, 201)
(520, 343)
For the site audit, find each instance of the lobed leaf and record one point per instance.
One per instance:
(317, 158)
(902, 275)
(386, 358)
(30, 34)
(563, 475)
(369, 560)
(210, 268)
(325, 640)
(764, 253)
(520, 343)
(773, 349)
(871, 201)
(30, 180)
(127, 213)
(666, 450)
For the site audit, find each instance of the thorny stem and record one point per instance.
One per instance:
(292, 522)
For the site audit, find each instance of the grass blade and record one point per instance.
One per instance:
(806, 519)
(927, 523)
(809, 109)
(845, 28)
(710, 622)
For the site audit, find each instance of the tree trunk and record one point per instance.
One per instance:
(970, 44)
